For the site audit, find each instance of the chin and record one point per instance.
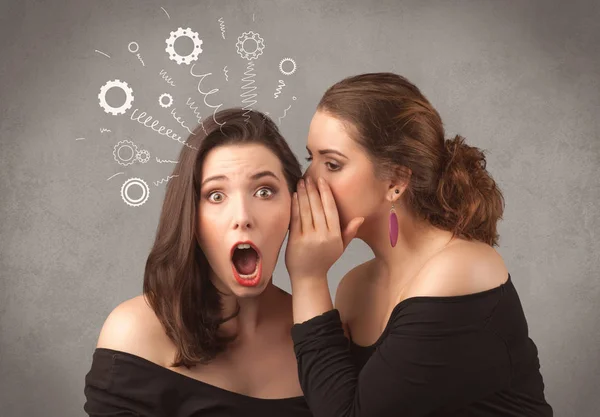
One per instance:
(254, 288)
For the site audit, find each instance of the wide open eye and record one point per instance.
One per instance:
(216, 197)
(264, 193)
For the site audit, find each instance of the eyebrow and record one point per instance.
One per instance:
(326, 151)
(253, 177)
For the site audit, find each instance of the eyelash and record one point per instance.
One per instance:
(331, 167)
(209, 194)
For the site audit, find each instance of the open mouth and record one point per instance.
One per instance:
(246, 263)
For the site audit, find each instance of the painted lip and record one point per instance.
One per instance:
(247, 282)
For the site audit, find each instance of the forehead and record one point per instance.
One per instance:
(328, 131)
(240, 160)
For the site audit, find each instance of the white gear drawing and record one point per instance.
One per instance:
(246, 36)
(143, 156)
(169, 101)
(138, 201)
(289, 72)
(128, 97)
(193, 56)
(127, 160)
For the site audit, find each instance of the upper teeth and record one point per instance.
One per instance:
(244, 246)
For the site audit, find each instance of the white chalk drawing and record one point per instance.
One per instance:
(253, 17)
(143, 156)
(166, 77)
(165, 161)
(249, 95)
(278, 90)
(80, 139)
(222, 26)
(169, 102)
(135, 202)
(225, 72)
(162, 130)
(157, 183)
(181, 122)
(102, 130)
(128, 97)
(112, 176)
(193, 56)
(213, 91)
(137, 48)
(100, 52)
(194, 108)
(163, 9)
(289, 71)
(250, 37)
(125, 152)
(284, 113)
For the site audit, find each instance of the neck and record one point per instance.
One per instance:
(254, 312)
(417, 241)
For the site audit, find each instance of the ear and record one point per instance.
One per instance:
(398, 183)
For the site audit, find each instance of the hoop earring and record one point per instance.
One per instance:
(393, 226)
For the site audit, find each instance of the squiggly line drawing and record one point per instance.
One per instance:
(141, 60)
(248, 95)
(222, 26)
(102, 130)
(279, 87)
(214, 90)
(100, 52)
(284, 113)
(157, 183)
(137, 48)
(225, 71)
(80, 139)
(196, 113)
(114, 175)
(166, 77)
(166, 12)
(161, 130)
(181, 122)
(165, 161)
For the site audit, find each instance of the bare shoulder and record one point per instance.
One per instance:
(464, 267)
(133, 327)
(349, 293)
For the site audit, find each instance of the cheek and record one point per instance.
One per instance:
(352, 197)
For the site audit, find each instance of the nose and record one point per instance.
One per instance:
(242, 217)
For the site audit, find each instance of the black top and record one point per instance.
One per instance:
(120, 384)
(466, 355)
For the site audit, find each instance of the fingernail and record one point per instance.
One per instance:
(301, 184)
(321, 181)
(308, 181)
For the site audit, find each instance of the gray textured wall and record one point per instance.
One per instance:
(518, 78)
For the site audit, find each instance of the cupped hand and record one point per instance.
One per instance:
(316, 240)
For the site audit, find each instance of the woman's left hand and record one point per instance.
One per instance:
(315, 241)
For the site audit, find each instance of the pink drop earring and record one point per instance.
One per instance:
(393, 224)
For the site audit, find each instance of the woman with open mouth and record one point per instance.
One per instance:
(210, 336)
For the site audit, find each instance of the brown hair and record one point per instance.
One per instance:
(176, 282)
(392, 120)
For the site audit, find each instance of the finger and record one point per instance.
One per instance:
(316, 208)
(329, 207)
(295, 227)
(351, 230)
(305, 215)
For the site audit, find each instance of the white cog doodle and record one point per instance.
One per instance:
(127, 159)
(289, 72)
(137, 201)
(143, 156)
(193, 56)
(243, 52)
(128, 97)
(169, 98)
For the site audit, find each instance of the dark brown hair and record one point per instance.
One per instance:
(176, 282)
(392, 120)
